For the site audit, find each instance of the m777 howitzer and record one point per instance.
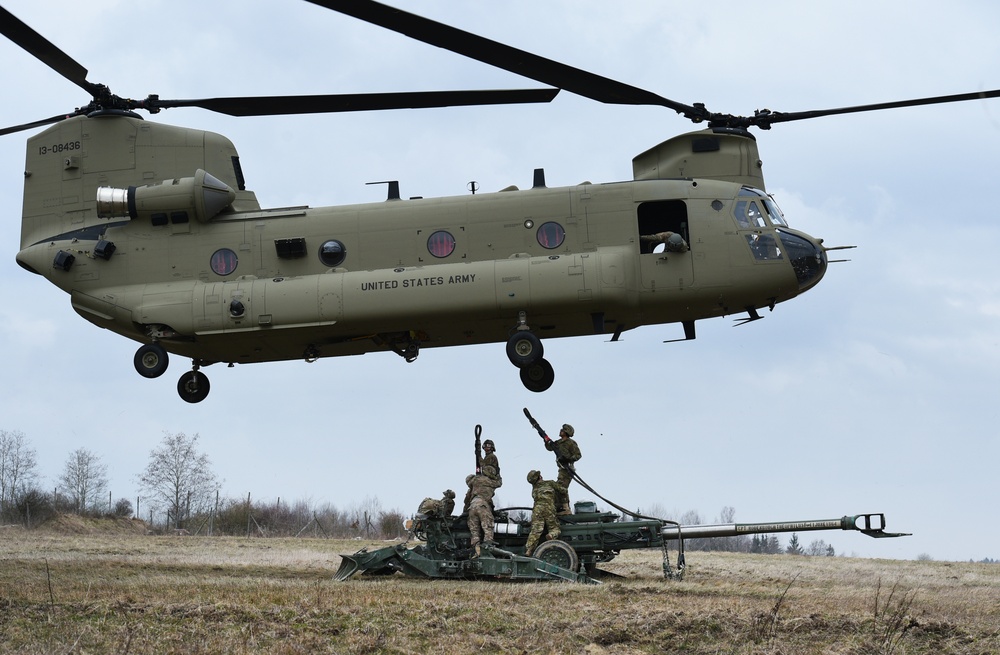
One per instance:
(587, 538)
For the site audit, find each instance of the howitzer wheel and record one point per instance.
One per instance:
(559, 553)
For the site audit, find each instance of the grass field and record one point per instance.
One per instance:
(131, 593)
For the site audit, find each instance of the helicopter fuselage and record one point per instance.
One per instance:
(189, 262)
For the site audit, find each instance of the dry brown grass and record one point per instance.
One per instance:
(128, 593)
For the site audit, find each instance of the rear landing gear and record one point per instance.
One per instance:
(151, 360)
(538, 377)
(524, 350)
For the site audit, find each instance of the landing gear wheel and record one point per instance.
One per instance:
(193, 387)
(524, 349)
(151, 360)
(538, 377)
(559, 553)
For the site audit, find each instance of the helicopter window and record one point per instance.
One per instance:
(224, 261)
(748, 214)
(178, 217)
(332, 253)
(764, 247)
(550, 235)
(441, 243)
(158, 218)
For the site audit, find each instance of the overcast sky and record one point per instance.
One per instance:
(874, 392)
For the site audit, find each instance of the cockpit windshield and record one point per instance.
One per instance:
(777, 217)
(756, 209)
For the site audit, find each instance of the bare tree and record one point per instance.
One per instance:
(818, 548)
(179, 478)
(17, 466)
(84, 480)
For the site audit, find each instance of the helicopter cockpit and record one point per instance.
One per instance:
(756, 209)
(770, 240)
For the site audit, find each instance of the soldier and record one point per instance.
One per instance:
(435, 507)
(567, 453)
(448, 502)
(490, 458)
(672, 242)
(481, 490)
(547, 494)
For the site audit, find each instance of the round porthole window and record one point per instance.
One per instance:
(332, 253)
(224, 261)
(441, 244)
(551, 235)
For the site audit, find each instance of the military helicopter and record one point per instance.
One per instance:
(151, 230)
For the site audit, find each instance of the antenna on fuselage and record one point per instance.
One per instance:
(393, 188)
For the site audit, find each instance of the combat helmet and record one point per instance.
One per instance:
(534, 476)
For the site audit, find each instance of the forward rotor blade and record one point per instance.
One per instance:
(316, 104)
(540, 69)
(766, 119)
(18, 32)
(28, 126)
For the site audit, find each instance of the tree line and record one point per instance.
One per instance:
(179, 491)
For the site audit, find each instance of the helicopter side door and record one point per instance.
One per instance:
(661, 265)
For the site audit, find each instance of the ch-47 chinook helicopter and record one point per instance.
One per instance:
(151, 230)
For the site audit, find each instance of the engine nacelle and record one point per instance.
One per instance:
(203, 196)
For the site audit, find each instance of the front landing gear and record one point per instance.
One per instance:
(193, 387)
(524, 350)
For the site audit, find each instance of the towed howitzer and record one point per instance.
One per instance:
(587, 538)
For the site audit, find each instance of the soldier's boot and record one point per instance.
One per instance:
(476, 554)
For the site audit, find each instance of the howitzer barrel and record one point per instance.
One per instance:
(872, 525)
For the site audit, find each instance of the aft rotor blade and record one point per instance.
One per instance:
(547, 71)
(316, 104)
(765, 119)
(17, 31)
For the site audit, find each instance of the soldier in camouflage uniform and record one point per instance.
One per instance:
(481, 490)
(567, 453)
(434, 507)
(547, 494)
(488, 465)
(490, 458)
